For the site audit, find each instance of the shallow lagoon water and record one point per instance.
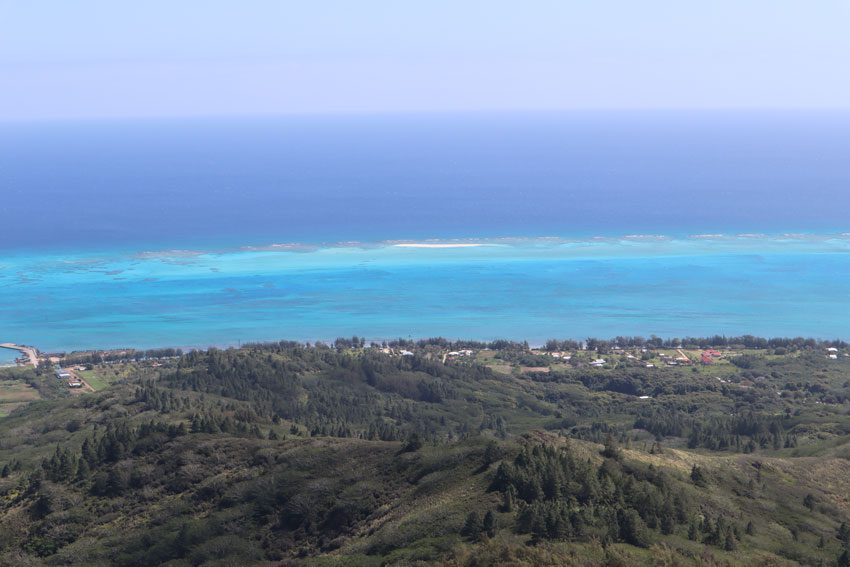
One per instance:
(530, 289)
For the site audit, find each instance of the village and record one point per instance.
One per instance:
(527, 359)
(89, 371)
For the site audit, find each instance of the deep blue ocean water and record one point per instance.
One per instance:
(161, 232)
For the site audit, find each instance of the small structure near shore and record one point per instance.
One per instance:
(63, 374)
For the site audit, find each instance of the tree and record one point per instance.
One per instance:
(729, 543)
(844, 533)
(633, 530)
(490, 524)
(698, 476)
(472, 527)
(611, 451)
(693, 532)
(42, 507)
(508, 500)
(414, 443)
(491, 453)
(83, 470)
(844, 559)
(809, 501)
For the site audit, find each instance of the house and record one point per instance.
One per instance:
(598, 362)
(833, 356)
(406, 353)
(75, 384)
(62, 374)
(832, 349)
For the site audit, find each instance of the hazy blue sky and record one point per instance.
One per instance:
(102, 58)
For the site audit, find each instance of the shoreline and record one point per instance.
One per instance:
(533, 345)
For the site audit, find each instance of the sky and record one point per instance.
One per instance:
(161, 58)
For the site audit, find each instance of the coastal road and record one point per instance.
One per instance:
(31, 353)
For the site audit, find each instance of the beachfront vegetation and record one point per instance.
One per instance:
(435, 452)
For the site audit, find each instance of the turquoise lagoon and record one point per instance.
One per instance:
(527, 289)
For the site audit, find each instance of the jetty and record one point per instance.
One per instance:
(30, 352)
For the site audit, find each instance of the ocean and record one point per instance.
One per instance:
(8, 356)
(526, 226)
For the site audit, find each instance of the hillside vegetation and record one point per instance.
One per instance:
(289, 454)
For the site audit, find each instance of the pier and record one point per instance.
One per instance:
(30, 352)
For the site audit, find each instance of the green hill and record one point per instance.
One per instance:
(285, 454)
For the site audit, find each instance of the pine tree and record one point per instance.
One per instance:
(610, 451)
(698, 476)
(472, 527)
(809, 501)
(729, 543)
(490, 524)
(693, 532)
(844, 533)
(83, 470)
(508, 501)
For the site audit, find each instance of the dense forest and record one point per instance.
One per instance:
(348, 454)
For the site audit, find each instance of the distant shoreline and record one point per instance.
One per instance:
(589, 343)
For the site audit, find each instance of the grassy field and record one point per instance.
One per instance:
(94, 379)
(14, 394)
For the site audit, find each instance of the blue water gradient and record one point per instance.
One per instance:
(517, 288)
(213, 183)
(161, 233)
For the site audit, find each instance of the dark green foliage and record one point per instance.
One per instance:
(472, 527)
(843, 533)
(568, 498)
(809, 501)
(489, 524)
(187, 462)
(698, 476)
